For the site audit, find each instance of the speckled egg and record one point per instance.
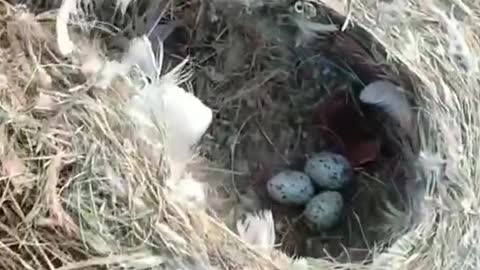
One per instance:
(324, 210)
(290, 187)
(329, 170)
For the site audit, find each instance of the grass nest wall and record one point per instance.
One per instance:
(72, 144)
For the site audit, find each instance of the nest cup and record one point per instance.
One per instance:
(282, 92)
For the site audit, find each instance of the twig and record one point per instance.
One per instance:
(285, 160)
(232, 151)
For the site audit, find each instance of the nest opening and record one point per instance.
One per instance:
(277, 102)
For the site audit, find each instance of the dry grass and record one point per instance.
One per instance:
(446, 89)
(80, 192)
(77, 193)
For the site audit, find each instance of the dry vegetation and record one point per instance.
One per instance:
(80, 191)
(77, 193)
(442, 53)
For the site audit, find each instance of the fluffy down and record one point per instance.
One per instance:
(188, 192)
(391, 98)
(258, 229)
(163, 106)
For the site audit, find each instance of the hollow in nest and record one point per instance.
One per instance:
(287, 84)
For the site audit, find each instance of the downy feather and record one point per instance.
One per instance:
(140, 53)
(310, 30)
(164, 105)
(123, 5)
(188, 192)
(391, 98)
(65, 44)
(258, 230)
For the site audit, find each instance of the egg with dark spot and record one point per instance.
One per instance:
(329, 170)
(324, 210)
(290, 187)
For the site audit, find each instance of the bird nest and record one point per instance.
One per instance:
(284, 80)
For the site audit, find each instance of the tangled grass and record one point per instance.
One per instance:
(440, 49)
(79, 191)
(440, 53)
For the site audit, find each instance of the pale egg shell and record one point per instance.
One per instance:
(329, 170)
(324, 210)
(290, 187)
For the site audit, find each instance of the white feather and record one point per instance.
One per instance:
(182, 116)
(188, 192)
(391, 98)
(310, 30)
(109, 71)
(140, 53)
(164, 106)
(65, 44)
(123, 5)
(299, 264)
(258, 230)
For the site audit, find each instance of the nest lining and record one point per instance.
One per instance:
(267, 90)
